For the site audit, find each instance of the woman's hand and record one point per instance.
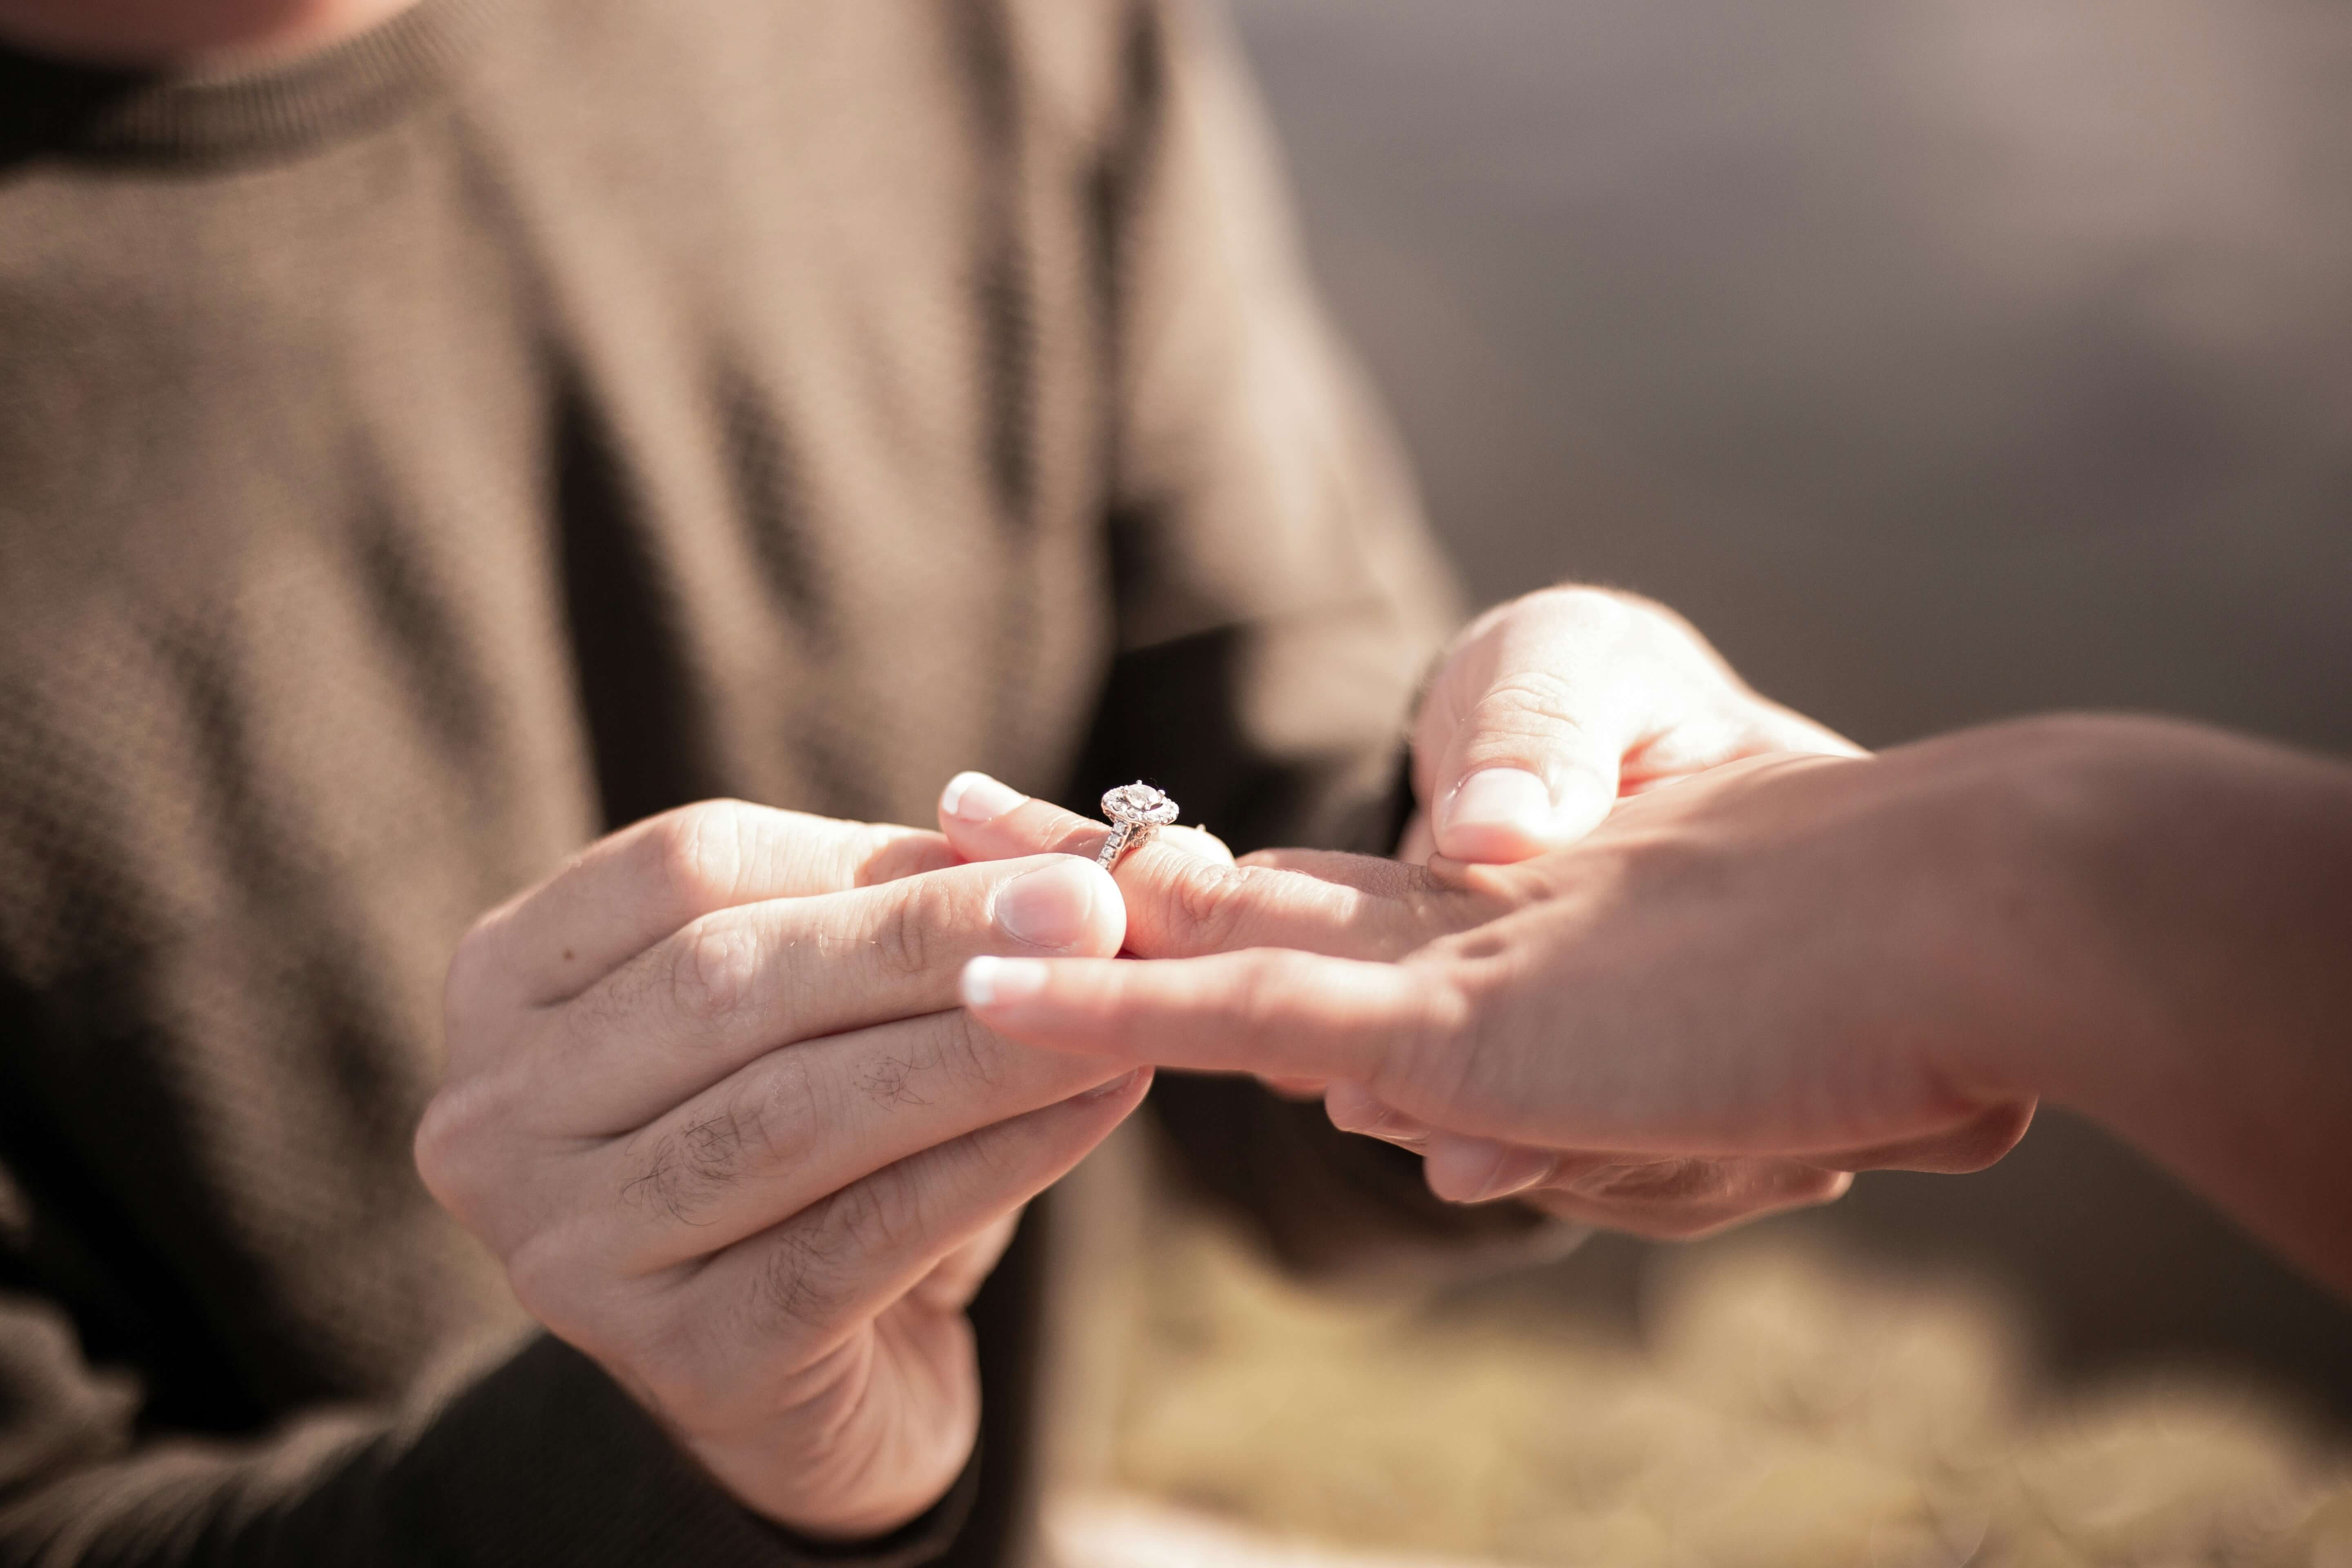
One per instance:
(1548, 708)
(1838, 964)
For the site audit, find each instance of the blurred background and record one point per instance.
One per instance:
(1943, 360)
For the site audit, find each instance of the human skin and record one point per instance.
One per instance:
(1548, 708)
(153, 34)
(1839, 964)
(1542, 715)
(711, 1101)
(1551, 707)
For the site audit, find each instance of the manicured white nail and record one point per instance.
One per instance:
(976, 798)
(1511, 800)
(992, 982)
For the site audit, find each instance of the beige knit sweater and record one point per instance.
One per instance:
(536, 414)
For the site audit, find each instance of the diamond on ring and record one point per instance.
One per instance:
(1134, 810)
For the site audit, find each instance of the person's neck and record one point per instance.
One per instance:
(186, 34)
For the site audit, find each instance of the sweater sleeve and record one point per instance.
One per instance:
(1279, 600)
(540, 1460)
(1277, 595)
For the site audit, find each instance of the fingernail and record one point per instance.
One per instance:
(1353, 1109)
(976, 798)
(1052, 906)
(992, 982)
(1515, 1171)
(1509, 799)
(1119, 1085)
(1401, 1131)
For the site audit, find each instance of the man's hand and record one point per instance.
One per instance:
(711, 1101)
(1721, 1002)
(1547, 709)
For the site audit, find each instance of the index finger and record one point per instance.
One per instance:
(1267, 1011)
(631, 889)
(1181, 903)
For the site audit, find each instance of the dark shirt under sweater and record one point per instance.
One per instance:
(535, 414)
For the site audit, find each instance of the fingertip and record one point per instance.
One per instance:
(1479, 1170)
(1499, 816)
(1353, 1108)
(1062, 904)
(1130, 1085)
(1488, 844)
(990, 983)
(976, 799)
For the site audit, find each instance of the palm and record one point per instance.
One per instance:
(896, 1405)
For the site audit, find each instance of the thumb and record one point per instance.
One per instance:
(1522, 772)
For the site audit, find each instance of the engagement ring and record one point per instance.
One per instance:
(1134, 810)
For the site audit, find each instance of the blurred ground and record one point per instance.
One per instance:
(1779, 1408)
(1943, 358)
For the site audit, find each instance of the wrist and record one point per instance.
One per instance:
(2069, 974)
(2033, 824)
(2215, 876)
(2191, 888)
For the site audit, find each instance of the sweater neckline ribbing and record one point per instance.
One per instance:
(54, 106)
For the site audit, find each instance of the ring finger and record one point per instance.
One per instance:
(806, 1120)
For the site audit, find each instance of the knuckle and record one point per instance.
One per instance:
(811, 1277)
(764, 1124)
(876, 1216)
(473, 970)
(785, 1106)
(1258, 994)
(907, 939)
(970, 1050)
(438, 1150)
(1211, 900)
(460, 1127)
(1525, 697)
(702, 851)
(799, 1285)
(1437, 1044)
(714, 970)
(552, 1282)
